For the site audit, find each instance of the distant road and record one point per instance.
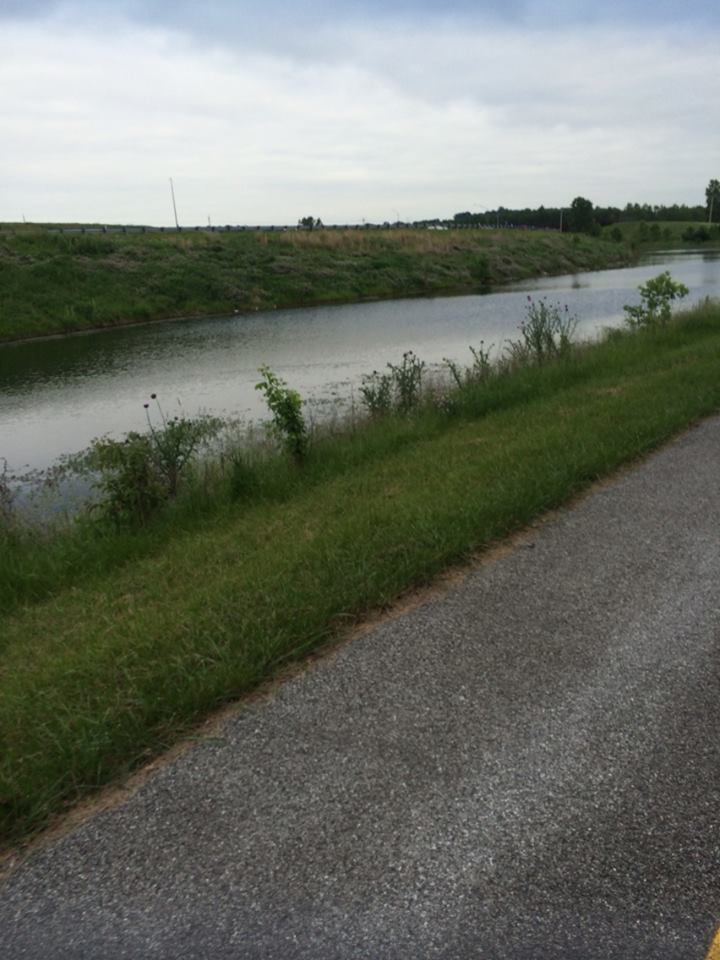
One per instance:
(245, 228)
(526, 766)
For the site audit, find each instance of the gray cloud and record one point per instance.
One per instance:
(428, 119)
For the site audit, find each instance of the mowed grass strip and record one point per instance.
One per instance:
(108, 673)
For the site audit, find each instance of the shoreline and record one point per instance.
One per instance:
(341, 302)
(57, 285)
(259, 562)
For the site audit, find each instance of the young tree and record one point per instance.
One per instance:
(712, 196)
(288, 424)
(656, 296)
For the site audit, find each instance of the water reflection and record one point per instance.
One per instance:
(57, 394)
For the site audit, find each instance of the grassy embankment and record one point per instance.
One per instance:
(56, 283)
(106, 665)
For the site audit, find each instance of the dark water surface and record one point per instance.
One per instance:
(57, 394)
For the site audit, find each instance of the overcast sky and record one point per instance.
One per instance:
(402, 109)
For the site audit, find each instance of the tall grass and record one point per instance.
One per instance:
(107, 665)
(666, 233)
(36, 562)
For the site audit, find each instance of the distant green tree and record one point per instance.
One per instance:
(310, 223)
(582, 219)
(712, 195)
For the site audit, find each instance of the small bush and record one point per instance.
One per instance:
(126, 477)
(174, 441)
(377, 393)
(696, 235)
(140, 472)
(288, 424)
(656, 296)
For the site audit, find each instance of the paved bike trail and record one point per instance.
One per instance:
(526, 765)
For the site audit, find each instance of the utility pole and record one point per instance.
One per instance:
(172, 193)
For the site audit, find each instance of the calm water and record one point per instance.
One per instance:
(57, 394)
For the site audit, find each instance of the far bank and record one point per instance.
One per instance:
(53, 283)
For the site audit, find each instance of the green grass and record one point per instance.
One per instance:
(664, 233)
(55, 283)
(105, 667)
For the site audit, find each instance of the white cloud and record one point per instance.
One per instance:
(422, 122)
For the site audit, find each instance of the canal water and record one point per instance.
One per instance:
(57, 394)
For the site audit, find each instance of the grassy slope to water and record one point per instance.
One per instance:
(55, 283)
(109, 670)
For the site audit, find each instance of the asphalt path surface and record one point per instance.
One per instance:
(526, 765)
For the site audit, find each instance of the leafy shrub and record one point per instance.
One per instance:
(656, 296)
(174, 441)
(696, 235)
(377, 393)
(288, 424)
(140, 472)
(126, 477)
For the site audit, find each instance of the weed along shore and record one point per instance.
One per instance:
(54, 282)
(194, 577)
